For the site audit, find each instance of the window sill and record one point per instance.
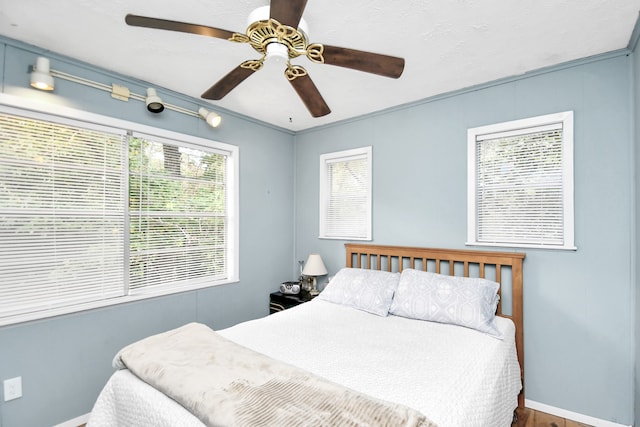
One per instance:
(77, 308)
(523, 246)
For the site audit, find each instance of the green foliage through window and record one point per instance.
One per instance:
(90, 213)
(177, 210)
(521, 183)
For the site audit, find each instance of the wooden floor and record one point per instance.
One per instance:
(530, 418)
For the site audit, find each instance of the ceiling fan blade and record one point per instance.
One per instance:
(308, 92)
(287, 12)
(228, 83)
(383, 65)
(183, 27)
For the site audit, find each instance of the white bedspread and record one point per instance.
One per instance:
(456, 376)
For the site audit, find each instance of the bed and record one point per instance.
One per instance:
(378, 351)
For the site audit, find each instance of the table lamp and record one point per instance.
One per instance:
(314, 267)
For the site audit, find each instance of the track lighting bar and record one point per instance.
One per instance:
(42, 78)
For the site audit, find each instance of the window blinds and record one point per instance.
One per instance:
(178, 214)
(520, 187)
(348, 196)
(62, 204)
(90, 215)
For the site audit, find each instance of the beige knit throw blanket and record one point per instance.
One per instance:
(225, 384)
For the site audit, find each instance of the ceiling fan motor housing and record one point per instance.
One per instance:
(263, 33)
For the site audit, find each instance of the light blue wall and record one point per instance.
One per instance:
(65, 361)
(578, 305)
(636, 138)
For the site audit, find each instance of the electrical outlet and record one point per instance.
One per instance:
(12, 388)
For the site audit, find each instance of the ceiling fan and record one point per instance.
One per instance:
(279, 35)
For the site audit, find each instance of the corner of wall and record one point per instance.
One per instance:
(635, 36)
(635, 248)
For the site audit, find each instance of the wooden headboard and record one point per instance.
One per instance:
(502, 267)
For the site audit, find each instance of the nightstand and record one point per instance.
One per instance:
(279, 301)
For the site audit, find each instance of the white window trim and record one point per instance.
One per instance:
(362, 152)
(35, 108)
(515, 127)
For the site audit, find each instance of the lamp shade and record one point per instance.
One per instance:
(314, 266)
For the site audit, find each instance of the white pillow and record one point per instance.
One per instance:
(368, 290)
(463, 301)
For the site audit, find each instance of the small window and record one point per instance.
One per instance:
(345, 194)
(520, 183)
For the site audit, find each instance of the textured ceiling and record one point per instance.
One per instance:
(447, 45)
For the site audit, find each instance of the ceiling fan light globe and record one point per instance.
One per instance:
(277, 52)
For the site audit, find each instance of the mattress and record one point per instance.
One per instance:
(454, 375)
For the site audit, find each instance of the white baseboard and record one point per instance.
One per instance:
(574, 416)
(77, 421)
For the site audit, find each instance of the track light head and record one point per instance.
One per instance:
(41, 77)
(212, 118)
(153, 101)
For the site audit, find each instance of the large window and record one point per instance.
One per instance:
(345, 194)
(92, 214)
(520, 191)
